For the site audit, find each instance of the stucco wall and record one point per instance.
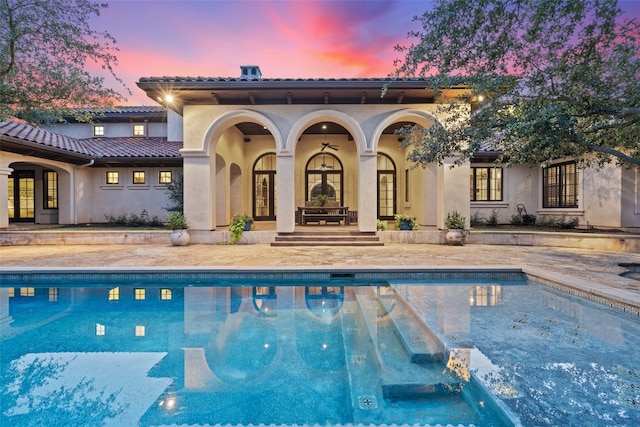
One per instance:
(112, 130)
(97, 199)
(630, 197)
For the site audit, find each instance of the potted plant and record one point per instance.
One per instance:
(381, 225)
(177, 222)
(321, 200)
(405, 222)
(456, 234)
(239, 224)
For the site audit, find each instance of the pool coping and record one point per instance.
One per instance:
(618, 298)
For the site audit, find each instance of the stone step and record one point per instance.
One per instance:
(325, 243)
(327, 238)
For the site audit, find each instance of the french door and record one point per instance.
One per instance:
(22, 196)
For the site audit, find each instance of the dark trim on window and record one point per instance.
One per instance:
(494, 184)
(50, 193)
(560, 186)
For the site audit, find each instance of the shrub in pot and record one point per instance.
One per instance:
(456, 234)
(177, 222)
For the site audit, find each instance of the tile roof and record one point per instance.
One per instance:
(133, 147)
(129, 147)
(126, 109)
(18, 130)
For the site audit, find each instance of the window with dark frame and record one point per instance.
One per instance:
(113, 177)
(50, 179)
(139, 130)
(485, 184)
(164, 177)
(138, 177)
(560, 186)
(406, 185)
(98, 130)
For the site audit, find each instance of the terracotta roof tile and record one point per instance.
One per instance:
(130, 147)
(133, 147)
(19, 130)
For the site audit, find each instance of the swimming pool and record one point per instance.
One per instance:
(198, 348)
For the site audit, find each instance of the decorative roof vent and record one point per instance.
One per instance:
(250, 72)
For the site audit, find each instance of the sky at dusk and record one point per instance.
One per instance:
(286, 38)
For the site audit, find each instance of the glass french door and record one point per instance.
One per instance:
(264, 188)
(22, 196)
(324, 177)
(264, 185)
(386, 187)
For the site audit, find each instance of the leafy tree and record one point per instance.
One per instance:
(547, 79)
(45, 46)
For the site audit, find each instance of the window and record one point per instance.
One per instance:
(113, 177)
(140, 293)
(100, 329)
(50, 190)
(140, 331)
(114, 294)
(164, 177)
(139, 130)
(138, 177)
(53, 294)
(406, 185)
(98, 130)
(165, 294)
(485, 184)
(560, 186)
(27, 292)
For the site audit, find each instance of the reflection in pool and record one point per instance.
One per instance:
(388, 352)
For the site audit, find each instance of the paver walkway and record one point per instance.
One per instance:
(599, 268)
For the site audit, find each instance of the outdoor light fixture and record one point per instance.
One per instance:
(168, 98)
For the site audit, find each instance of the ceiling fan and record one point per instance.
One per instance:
(326, 144)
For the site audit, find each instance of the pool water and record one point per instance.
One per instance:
(487, 353)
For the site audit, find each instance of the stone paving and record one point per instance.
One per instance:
(586, 269)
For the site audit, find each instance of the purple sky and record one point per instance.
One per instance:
(286, 38)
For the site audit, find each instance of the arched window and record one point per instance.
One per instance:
(323, 175)
(386, 187)
(264, 188)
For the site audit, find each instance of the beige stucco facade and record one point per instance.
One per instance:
(222, 128)
(214, 151)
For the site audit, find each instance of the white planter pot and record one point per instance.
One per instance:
(456, 237)
(179, 238)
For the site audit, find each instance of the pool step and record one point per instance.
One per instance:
(327, 238)
(419, 342)
(410, 357)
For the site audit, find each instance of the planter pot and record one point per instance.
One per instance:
(456, 237)
(405, 225)
(247, 226)
(179, 238)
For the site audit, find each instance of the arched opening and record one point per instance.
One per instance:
(235, 189)
(324, 177)
(221, 191)
(264, 188)
(38, 193)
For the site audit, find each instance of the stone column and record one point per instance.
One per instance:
(285, 216)
(199, 191)
(453, 191)
(367, 189)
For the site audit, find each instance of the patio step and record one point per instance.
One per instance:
(327, 238)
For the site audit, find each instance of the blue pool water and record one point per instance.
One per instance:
(136, 350)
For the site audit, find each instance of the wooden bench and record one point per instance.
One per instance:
(325, 213)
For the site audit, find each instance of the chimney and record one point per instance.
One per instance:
(250, 72)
